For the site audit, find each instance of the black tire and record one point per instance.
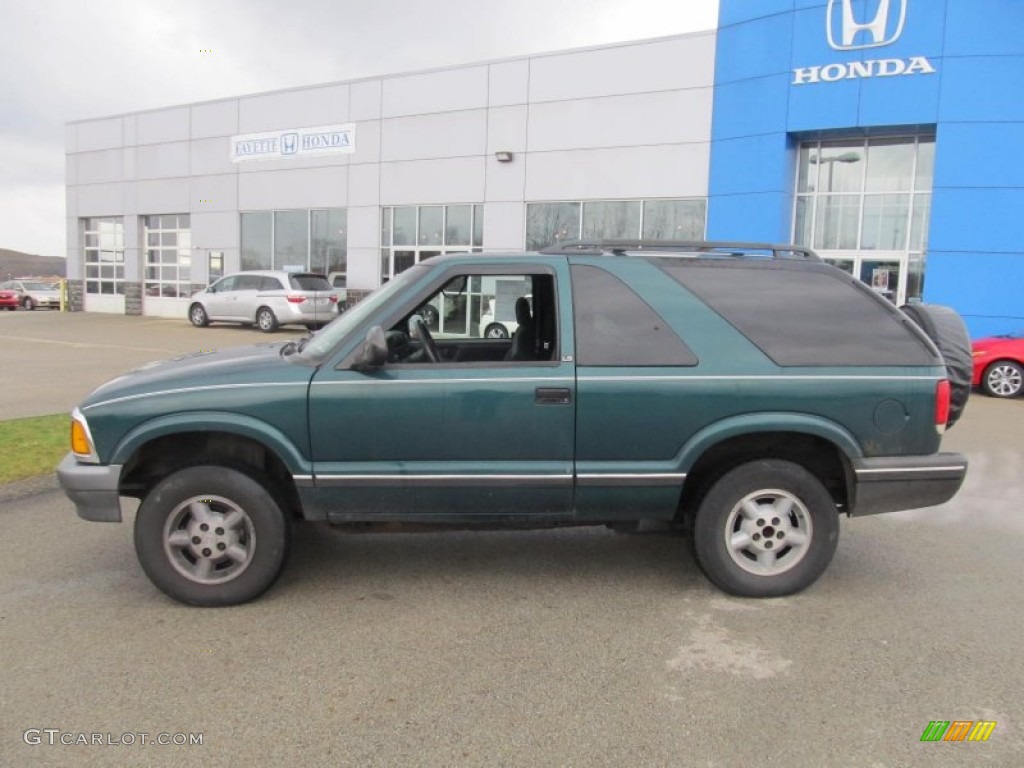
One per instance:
(947, 330)
(1004, 378)
(29, 303)
(266, 320)
(495, 331)
(170, 520)
(197, 315)
(783, 501)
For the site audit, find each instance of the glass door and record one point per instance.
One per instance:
(884, 272)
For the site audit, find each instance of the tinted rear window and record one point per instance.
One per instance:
(801, 314)
(309, 282)
(615, 326)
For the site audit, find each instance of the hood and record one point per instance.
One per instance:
(259, 363)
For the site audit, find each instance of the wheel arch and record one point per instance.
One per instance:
(153, 450)
(821, 447)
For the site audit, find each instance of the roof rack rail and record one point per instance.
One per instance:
(695, 247)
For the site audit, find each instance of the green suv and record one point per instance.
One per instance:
(746, 393)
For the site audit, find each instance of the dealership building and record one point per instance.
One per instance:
(886, 134)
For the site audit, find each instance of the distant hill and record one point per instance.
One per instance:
(18, 264)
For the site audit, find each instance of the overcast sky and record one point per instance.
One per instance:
(63, 60)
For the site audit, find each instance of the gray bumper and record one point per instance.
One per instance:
(892, 484)
(92, 488)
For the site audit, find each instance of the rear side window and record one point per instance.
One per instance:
(270, 284)
(309, 282)
(614, 326)
(804, 316)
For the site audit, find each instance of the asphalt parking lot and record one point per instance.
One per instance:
(576, 647)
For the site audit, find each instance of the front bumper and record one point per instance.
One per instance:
(92, 488)
(895, 483)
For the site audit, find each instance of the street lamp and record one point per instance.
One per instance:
(846, 157)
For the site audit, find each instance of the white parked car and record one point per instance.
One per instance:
(501, 326)
(33, 293)
(266, 299)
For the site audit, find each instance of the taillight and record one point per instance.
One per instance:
(333, 299)
(942, 395)
(296, 298)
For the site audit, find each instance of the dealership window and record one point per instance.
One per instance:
(550, 223)
(313, 239)
(168, 240)
(103, 254)
(411, 233)
(864, 204)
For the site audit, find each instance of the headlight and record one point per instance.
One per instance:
(81, 439)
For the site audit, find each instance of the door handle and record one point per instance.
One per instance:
(553, 395)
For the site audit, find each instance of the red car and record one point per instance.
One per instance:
(999, 364)
(9, 299)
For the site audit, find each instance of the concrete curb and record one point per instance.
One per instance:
(31, 486)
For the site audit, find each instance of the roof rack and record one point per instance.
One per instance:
(694, 247)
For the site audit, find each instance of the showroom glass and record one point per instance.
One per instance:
(103, 254)
(411, 233)
(168, 248)
(550, 223)
(329, 242)
(862, 196)
(309, 239)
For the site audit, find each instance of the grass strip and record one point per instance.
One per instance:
(31, 447)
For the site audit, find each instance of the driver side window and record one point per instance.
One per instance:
(474, 318)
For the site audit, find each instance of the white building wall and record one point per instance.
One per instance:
(614, 122)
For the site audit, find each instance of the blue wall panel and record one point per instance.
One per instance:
(750, 107)
(758, 217)
(977, 155)
(735, 13)
(985, 28)
(983, 88)
(984, 287)
(752, 164)
(980, 220)
(765, 49)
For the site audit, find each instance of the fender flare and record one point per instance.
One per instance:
(747, 424)
(213, 421)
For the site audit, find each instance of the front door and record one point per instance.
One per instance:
(460, 434)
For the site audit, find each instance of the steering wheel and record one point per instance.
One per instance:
(419, 329)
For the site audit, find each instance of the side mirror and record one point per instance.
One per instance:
(373, 353)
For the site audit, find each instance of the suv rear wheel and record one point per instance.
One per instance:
(765, 529)
(211, 535)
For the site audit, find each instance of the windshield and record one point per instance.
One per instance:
(327, 338)
(38, 287)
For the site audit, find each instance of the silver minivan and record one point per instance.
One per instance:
(266, 299)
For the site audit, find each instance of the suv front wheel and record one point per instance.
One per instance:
(765, 529)
(211, 535)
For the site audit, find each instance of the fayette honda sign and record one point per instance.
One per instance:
(846, 32)
(295, 142)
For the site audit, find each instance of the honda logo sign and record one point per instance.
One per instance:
(847, 33)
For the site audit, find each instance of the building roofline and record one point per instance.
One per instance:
(411, 73)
